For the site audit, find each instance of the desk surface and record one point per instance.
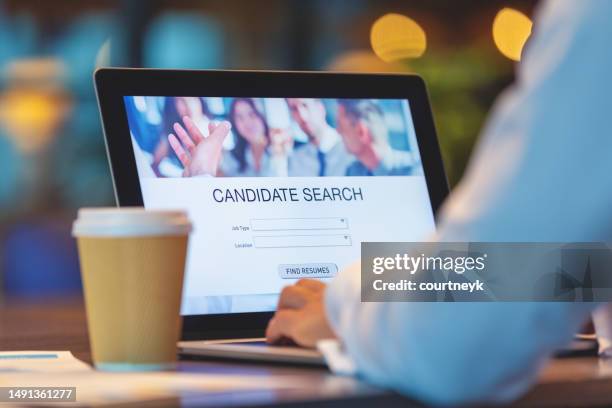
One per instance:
(61, 325)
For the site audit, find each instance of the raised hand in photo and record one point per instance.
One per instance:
(199, 155)
(281, 142)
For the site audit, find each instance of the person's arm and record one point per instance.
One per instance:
(541, 173)
(281, 145)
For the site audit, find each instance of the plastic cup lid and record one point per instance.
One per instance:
(130, 221)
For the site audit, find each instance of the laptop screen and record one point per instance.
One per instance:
(278, 189)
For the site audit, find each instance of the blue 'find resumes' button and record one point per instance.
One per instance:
(316, 270)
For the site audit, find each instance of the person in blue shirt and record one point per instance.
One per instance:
(541, 173)
(324, 154)
(361, 123)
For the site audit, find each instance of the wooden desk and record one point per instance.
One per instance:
(61, 325)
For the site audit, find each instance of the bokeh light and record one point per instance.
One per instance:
(395, 37)
(511, 30)
(33, 104)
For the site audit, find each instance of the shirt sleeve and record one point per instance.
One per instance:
(540, 173)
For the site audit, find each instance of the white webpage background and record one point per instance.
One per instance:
(394, 208)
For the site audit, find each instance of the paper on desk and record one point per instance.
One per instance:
(95, 387)
(40, 361)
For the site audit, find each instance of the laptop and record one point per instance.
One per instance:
(283, 175)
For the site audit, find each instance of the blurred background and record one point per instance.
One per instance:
(52, 156)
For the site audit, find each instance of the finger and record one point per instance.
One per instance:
(293, 297)
(219, 134)
(193, 130)
(178, 149)
(212, 125)
(281, 326)
(311, 284)
(184, 136)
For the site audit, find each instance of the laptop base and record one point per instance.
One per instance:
(251, 349)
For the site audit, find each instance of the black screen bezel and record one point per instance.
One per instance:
(112, 84)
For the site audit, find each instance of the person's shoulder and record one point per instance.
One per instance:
(303, 150)
(576, 19)
(579, 10)
(301, 146)
(356, 169)
(351, 170)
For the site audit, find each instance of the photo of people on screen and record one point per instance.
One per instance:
(271, 137)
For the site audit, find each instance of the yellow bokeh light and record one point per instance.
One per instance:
(34, 103)
(511, 30)
(395, 37)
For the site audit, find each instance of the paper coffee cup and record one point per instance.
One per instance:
(132, 266)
